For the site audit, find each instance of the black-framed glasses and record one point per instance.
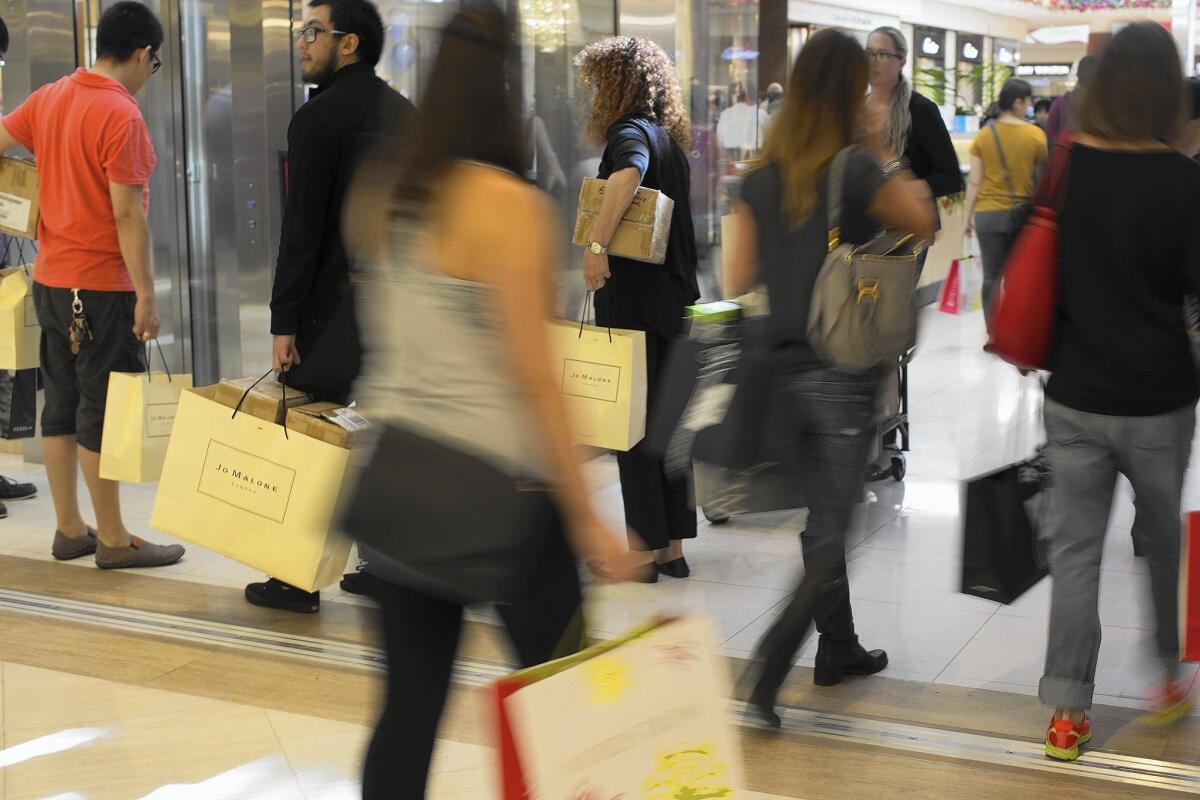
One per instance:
(884, 55)
(311, 33)
(156, 61)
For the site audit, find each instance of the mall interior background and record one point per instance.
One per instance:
(220, 107)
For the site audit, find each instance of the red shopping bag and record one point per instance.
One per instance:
(1189, 589)
(952, 296)
(1023, 311)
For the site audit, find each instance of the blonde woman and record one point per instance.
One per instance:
(638, 114)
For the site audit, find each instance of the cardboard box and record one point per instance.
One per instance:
(266, 400)
(18, 197)
(644, 229)
(329, 422)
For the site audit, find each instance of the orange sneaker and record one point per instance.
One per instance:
(1172, 702)
(1064, 737)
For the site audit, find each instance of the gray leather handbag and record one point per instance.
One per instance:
(862, 314)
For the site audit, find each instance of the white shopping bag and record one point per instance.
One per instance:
(644, 716)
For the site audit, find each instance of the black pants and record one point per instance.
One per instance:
(421, 636)
(77, 383)
(330, 353)
(834, 414)
(658, 508)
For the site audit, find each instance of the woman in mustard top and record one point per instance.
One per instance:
(1006, 159)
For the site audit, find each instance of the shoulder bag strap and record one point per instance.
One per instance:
(1012, 192)
(1053, 189)
(837, 177)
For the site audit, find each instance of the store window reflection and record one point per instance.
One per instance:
(730, 119)
(413, 30)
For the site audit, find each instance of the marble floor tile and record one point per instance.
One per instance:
(920, 640)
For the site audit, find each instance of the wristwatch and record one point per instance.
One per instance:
(597, 248)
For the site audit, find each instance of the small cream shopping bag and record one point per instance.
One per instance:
(602, 375)
(138, 417)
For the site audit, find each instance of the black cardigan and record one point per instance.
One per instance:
(929, 151)
(352, 113)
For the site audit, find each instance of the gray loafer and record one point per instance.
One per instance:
(65, 548)
(139, 554)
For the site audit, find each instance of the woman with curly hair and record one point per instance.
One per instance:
(639, 116)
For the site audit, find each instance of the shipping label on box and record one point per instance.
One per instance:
(329, 423)
(18, 198)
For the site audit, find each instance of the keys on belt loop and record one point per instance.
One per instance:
(80, 332)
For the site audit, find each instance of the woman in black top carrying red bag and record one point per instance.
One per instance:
(638, 114)
(1122, 396)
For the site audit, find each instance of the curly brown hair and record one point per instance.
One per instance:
(632, 75)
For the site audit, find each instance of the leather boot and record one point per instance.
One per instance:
(836, 659)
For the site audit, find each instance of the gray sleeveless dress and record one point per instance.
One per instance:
(437, 362)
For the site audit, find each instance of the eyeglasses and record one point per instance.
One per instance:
(157, 63)
(311, 33)
(883, 55)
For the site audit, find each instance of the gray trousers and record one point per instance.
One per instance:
(996, 231)
(1086, 451)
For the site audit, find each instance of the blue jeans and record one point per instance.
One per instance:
(834, 413)
(1086, 451)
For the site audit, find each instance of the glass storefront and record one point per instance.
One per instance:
(929, 63)
(971, 96)
(715, 47)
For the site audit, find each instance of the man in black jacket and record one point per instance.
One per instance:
(351, 113)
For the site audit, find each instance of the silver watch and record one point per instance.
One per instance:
(597, 248)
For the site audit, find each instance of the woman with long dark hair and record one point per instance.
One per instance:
(457, 305)
(637, 113)
(783, 237)
(1122, 394)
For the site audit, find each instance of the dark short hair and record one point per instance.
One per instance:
(360, 17)
(1142, 93)
(1014, 89)
(1085, 71)
(125, 28)
(3, 37)
(1042, 105)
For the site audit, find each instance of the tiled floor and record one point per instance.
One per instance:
(111, 741)
(970, 413)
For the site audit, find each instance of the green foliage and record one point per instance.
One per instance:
(937, 82)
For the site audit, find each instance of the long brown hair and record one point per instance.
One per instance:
(469, 110)
(1140, 88)
(631, 75)
(820, 117)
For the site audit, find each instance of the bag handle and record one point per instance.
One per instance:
(583, 316)
(161, 356)
(837, 176)
(1012, 191)
(282, 381)
(8, 243)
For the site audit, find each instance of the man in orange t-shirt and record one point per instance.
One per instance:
(93, 287)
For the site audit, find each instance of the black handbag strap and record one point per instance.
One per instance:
(161, 356)
(282, 382)
(583, 314)
(1012, 190)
